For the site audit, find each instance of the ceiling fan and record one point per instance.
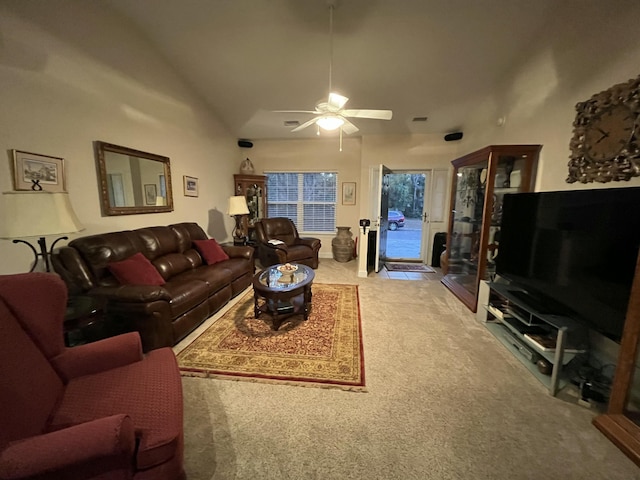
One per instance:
(332, 115)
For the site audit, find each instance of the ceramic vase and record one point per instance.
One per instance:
(246, 167)
(343, 245)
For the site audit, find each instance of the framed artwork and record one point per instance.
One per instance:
(33, 171)
(150, 193)
(348, 193)
(190, 186)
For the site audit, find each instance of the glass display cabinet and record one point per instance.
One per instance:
(254, 189)
(480, 180)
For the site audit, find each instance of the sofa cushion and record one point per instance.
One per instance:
(211, 251)
(172, 264)
(100, 250)
(136, 270)
(185, 294)
(215, 278)
(156, 409)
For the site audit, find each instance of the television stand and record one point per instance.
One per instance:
(535, 336)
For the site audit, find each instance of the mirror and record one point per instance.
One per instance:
(132, 181)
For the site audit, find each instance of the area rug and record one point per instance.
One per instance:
(408, 267)
(323, 351)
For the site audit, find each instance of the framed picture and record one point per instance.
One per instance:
(32, 171)
(150, 193)
(348, 193)
(190, 186)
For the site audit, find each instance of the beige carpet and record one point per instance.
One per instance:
(445, 401)
(323, 351)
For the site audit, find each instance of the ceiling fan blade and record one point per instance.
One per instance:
(304, 125)
(349, 127)
(336, 101)
(315, 112)
(376, 114)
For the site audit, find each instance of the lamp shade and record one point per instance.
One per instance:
(238, 206)
(330, 122)
(35, 214)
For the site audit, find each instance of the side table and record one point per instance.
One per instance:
(84, 320)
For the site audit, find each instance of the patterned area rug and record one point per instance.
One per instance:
(408, 267)
(324, 351)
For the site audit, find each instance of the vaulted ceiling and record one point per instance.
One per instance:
(419, 58)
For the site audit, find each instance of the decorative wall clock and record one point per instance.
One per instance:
(606, 136)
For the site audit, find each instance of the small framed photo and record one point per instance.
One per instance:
(348, 193)
(33, 171)
(190, 186)
(150, 193)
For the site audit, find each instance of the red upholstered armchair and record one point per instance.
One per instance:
(100, 410)
(278, 241)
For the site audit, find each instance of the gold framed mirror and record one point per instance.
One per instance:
(132, 181)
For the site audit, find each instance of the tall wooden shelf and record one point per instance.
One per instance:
(254, 189)
(480, 181)
(621, 423)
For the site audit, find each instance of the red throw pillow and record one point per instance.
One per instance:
(136, 270)
(210, 251)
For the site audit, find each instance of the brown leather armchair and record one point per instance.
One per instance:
(293, 249)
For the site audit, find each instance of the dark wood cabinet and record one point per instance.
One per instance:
(480, 181)
(254, 189)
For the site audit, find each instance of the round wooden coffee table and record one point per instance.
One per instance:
(283, 295)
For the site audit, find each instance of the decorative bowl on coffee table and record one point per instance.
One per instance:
(287, 270)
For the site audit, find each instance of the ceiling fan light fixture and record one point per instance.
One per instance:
(330, 122)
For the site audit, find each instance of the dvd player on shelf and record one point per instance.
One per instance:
(524, 350)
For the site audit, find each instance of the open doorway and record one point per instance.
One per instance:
(421, 195)
(406, 215)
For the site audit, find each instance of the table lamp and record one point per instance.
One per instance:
(238, 208)
(36, 214)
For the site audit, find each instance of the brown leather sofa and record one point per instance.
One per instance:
(293, 249)
(162, 314)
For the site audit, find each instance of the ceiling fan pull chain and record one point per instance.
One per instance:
(340, 138)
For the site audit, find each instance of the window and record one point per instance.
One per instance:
(309, 199)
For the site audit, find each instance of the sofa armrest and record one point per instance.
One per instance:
(309, 242)
(81, 449)
(238, 251)
(132, 293)
(106, 354)
(282, 247)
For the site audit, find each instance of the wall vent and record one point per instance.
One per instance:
(291, 123)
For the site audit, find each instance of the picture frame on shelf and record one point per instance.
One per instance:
(348, 193)
(150, 193)
(34, 171)
(190, 186)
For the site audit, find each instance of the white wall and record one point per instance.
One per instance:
(72, 73)
(315, 155)
(581, 52)
(358, 155)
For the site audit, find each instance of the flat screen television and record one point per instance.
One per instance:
(573, 252)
